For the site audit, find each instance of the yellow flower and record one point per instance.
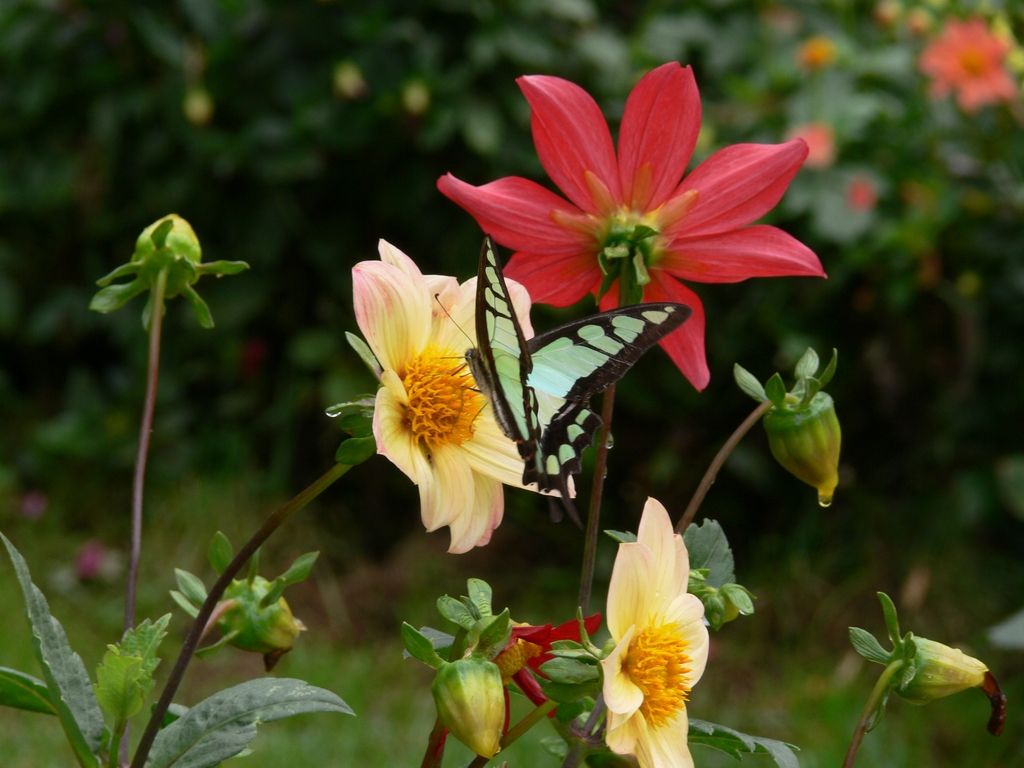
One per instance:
(429, 418)
(661, 645)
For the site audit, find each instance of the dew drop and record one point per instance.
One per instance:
(610, 442)
(824, 500)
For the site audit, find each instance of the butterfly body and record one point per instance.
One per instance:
(540, 388)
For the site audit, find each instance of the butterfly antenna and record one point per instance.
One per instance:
(437, 298)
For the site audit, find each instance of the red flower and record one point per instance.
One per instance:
(632, 222)
(530, 646)
(968, 58)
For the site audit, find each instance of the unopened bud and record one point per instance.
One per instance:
(270, 630)
(940, 671)
(470, 701)
(806, 441)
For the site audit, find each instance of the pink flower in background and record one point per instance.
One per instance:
(821, 143)
(633, 224)
(34, 504)
(968, 59)
(91, 560)
(861, 193)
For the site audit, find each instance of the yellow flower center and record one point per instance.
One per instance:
(515, 656)
(443, 402)
(657, 664)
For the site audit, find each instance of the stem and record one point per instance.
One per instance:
(278, 517)
(716, 464)
(435, 746)
(145, 430)
(113, 756)
(533, 717)
(577, 753)
(877, 694)
(594, 508)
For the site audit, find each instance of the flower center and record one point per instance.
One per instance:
(973, 62)
(628, 245)
(442, 400)
(657, 664)
(515, 657)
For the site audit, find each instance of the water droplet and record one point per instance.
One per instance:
(824, 500)
(610, 442)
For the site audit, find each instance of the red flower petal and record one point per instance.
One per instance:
(571, 137)
(517, 213)
(738, 185)
(686, 345)
(729, 257)
(560, 280)
(659, 131)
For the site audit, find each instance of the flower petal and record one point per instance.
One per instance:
(656, 533)
(491, 453)
(729, 257)
(557, 280)
(571, 137)
(621, 694)
(474, 528)
(737, 185)
(687, 612)
(392, 310)
(665, 746)
(394, 440)
(686, 344)
(629, 591)
(622, 732)
(659, 130)
(517, 213)
(449, 493)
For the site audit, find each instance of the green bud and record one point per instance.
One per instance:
(270, 630)
(940, 671)
(805, 438)
(470, 701)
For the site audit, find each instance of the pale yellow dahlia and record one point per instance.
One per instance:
(661, 645)
(429, 418)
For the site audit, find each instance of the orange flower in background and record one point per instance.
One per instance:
(968, 59)
(816, 53)
(821, 143)
(861, 193)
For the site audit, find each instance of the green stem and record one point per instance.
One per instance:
(873, 702)
(277, 518)
(533, 717)
(114, 756)
(586, 737)
(145, 430)
(594, 508)
(716, 464)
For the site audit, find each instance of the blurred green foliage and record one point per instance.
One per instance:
(292, 135)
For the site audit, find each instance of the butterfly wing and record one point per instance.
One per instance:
(577, 360)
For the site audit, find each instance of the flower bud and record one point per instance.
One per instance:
(805, 441)
(270, 630)
(940, 671)
(470, 701)
(181, 240)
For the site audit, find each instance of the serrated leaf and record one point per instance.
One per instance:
(420, 646)
(867, 645)
(830, 369)
(709, 548)
(66, 677)
(775, 390)
(736, 744)
(22, 691)
(480, 595)
(455, 611)
(748, 383)
(121, 685)
(623, 537)
(144, 640)
(356, 450)
(223, 725)
(220, 552)
(807, 365)
(184, 604)
(191, 586)
(365, 353)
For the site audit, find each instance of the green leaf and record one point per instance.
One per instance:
(748, 383)
(200, 307)
(420, 646)
(184, 603)
(121, 684)
(494, 637)
(623, 537)
(300, 569)
(807, 365)
(21, 691)
(740, 597)
(867, 645)
(223, 725)
(456, 612)
(775, 390)
(66, 677)
(892, 622)
(361, 407)
(830, 369)
(356, 450)
(191, 586)
(113, 297)
(569, 671)
(365, 353)
(222, 268)
(159, 235)
(709, 549)
(122, 271)
(220, 552)
(438, 639)
(480, 595)
(737, 744)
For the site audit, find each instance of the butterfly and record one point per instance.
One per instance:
(540, 388)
